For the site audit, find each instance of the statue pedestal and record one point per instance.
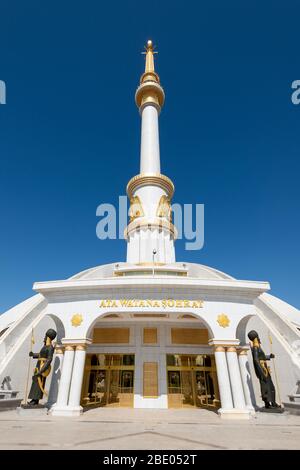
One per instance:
(271, 410)
(235, 413)
(9, 404)
(293, 406)
(32, 410)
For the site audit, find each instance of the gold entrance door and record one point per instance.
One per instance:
(126, 388)
(187, 388)
(180, 389)
(108, 380)
(205, 395)
(120, 392)
(192, 381)
(174, 389)
(99, 387)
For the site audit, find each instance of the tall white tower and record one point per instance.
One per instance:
(150, 233)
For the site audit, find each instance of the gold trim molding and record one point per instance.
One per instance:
(150, 179)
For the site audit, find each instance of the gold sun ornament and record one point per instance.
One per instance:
(76, 320)
(223, 320)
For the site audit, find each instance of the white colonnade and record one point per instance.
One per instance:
(233, 381)
(69, 392)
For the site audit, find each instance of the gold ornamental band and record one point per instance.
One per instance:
(231, 349)
(149, 91)
(149, 76)
(153, 223)
(150, 179)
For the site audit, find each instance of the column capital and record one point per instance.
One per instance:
(74, 342)
(80, 347)
(69, 347)
(224, 342)
(59, 349)
(231, 349)
(219, 349)
(243, 351)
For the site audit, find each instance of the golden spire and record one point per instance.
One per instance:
(150, 89)
(149, 66)
(149, 74)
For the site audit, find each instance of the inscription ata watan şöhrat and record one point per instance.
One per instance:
(150, 303)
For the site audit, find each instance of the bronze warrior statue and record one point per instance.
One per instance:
(262, 371)
(42, 369)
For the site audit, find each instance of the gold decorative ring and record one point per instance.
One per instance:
(150, 179)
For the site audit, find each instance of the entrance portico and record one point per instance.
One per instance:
(97, 337)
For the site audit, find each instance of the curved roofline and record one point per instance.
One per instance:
(193, 270)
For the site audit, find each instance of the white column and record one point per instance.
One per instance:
(235, 378)
(56, 375)
(150, 157)
(65, 381)
(223, 379)
(246, 377)
(77, 378)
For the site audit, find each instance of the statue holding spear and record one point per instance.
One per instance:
(262, 372)
(42, 369)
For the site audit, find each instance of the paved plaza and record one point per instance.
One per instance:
(121, 429)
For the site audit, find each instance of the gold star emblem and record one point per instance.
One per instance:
(77, 319)
(223, 320)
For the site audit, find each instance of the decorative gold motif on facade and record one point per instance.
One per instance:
(136, 208)
(164, 208)
(223, 320)
(77, 319)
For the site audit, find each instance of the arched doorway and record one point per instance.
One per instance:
(150, 361)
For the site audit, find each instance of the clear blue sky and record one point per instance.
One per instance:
(70, 132)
